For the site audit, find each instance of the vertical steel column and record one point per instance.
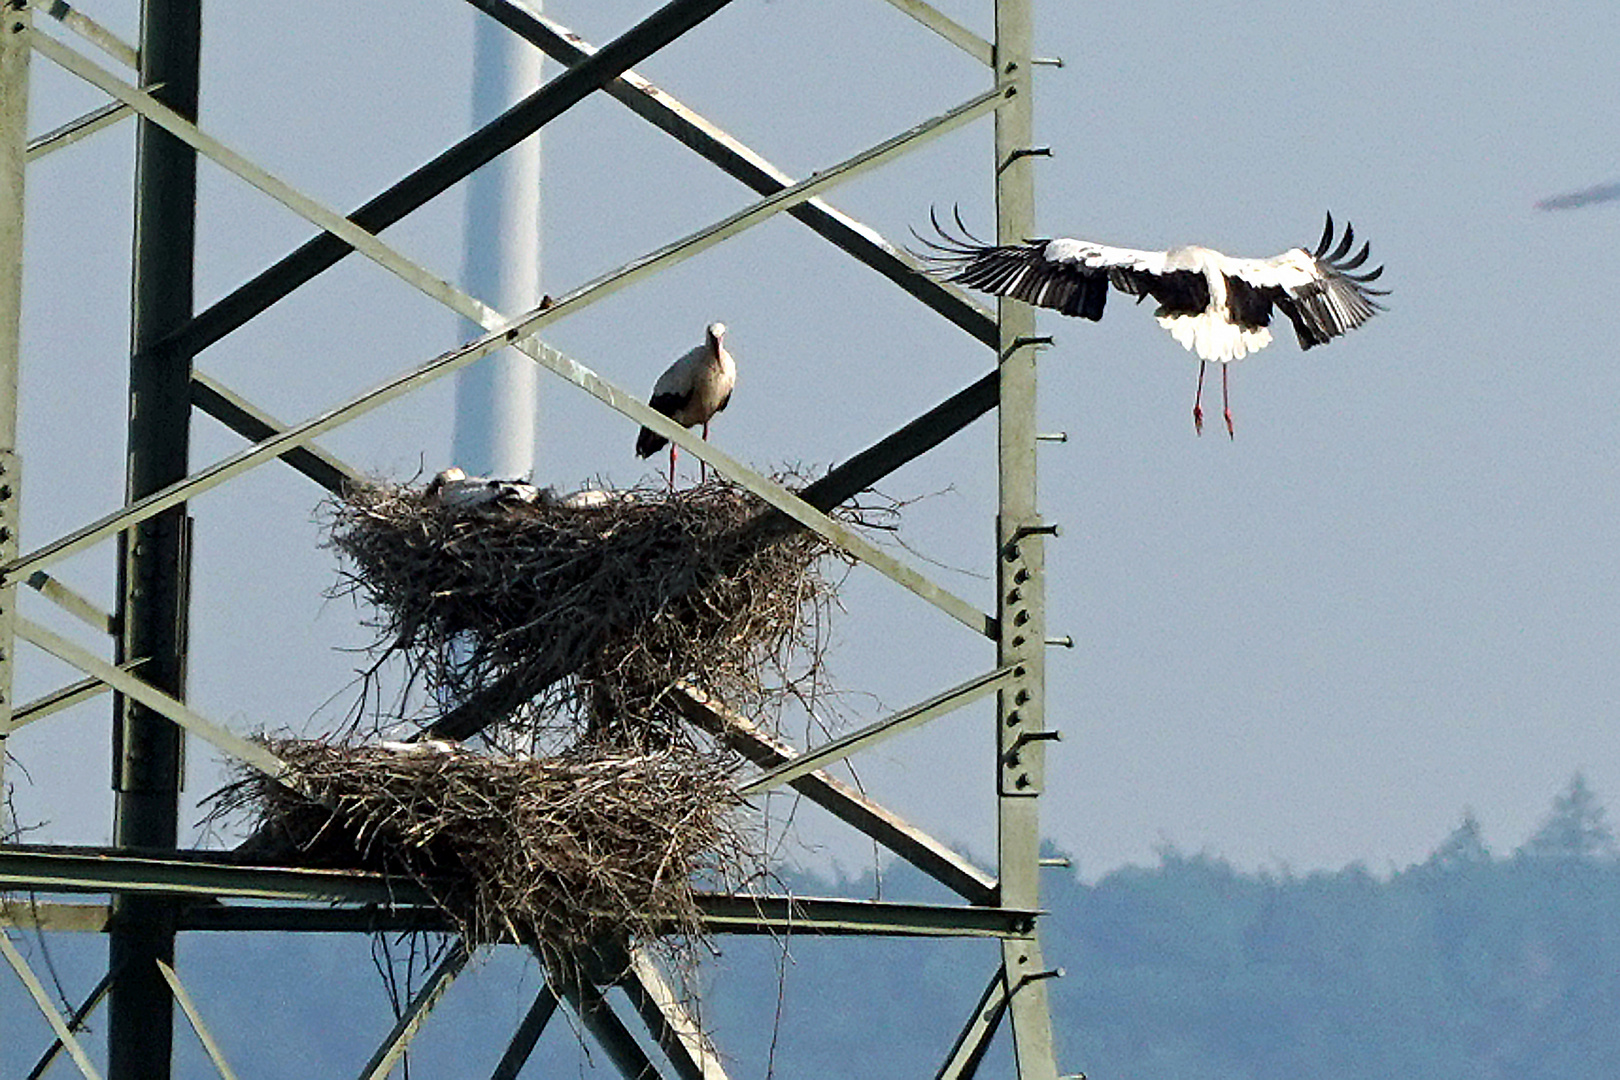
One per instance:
(14, 51)
(1021, 599)
(153, 557)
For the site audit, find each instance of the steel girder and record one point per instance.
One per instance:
(1004, 908)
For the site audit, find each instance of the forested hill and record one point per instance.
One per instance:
(1465, 966)
(1469, 965)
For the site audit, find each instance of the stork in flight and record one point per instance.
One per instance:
(1217, 306)
(691, 391)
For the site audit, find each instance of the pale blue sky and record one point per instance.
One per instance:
(1393, 596)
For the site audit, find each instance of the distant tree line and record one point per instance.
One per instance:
(1468, 965)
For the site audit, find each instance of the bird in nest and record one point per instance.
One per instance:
(1215, 305)
(454, 489)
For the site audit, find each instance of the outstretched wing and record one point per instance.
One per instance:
(1318, 291)
(1069, 276)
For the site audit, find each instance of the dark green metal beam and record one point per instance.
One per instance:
(51, 869)
(721, 915)
(967, 1053)
(527, 1034)
(842, 801)
(836, 916)
(75, 1024)
(387, 903)
(601, 1021)
(661, 110)
(154, 558)
(907, 444)
(253, 424)
(437, 176)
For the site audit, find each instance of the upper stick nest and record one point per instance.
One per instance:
(594, 613)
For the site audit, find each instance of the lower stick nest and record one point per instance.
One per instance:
(593, 614)
(559, 853)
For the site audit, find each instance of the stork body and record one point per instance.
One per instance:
(1216, 306)
(691, 391)
(454, 489)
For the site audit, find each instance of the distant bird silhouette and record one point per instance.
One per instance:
(691, 391)
(1585, 197)
(1217, 306)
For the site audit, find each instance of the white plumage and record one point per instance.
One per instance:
(691, 391)
(1213, 304)
(423, 748)
(454, 489)
(595, 499)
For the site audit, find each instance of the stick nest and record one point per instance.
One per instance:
(593, 613)
(559, 853)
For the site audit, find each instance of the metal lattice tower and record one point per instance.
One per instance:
(143, 891)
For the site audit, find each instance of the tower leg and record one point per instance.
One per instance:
(153, 557)
(1020, 562)
(14, 53)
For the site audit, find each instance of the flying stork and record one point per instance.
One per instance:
(691, 391)
(1217, 306)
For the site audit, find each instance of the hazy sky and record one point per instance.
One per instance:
(1394, 596)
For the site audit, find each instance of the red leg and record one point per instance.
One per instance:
(1198, 411)
(703, 466)
(1226, 404)
(672, 452)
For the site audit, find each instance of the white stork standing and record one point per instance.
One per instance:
(1216, 306)
(691, 391)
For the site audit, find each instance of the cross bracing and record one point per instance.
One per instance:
(194, 893)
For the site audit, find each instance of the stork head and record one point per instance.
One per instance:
(715, 332)
(448, 476)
